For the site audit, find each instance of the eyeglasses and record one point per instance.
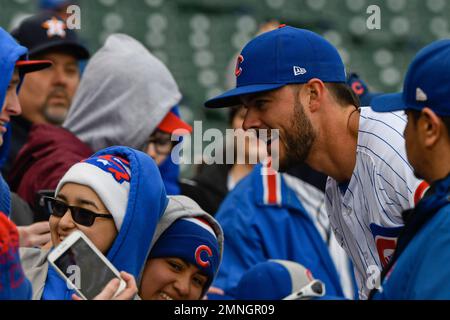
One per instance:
(162, 142)
(81, 216)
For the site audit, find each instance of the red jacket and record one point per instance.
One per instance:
(44, 159)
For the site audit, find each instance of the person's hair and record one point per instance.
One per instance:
(343, 94)
(232, 113)
(416, 115)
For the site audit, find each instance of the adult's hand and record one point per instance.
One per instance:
(108, 292)
(35, 235)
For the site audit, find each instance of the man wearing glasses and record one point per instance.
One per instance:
(160, 145)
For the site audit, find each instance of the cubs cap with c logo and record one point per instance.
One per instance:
(280, 57)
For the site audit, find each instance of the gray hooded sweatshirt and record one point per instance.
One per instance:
(124, 94)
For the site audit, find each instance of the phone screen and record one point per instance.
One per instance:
(84, 268)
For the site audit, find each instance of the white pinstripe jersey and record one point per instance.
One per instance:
(366, 216)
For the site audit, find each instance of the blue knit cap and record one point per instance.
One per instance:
(194, 241)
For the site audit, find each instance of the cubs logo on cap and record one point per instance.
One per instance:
(238, 69)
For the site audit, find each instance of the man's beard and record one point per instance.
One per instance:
(53, 117)
(298, 140)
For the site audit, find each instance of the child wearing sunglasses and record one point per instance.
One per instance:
(116, 198)
(185, 256)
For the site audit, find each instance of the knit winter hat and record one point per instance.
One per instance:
(109, 176)
(194, 241)
(272, 280)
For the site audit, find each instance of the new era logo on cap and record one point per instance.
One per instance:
(420, 95)
(299, 71)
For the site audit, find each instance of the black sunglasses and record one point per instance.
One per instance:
(81, 216)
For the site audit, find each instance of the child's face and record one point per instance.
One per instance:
(171, 279)
(102, 232)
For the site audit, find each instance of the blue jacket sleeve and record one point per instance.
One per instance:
(431, 278)
(242, 247)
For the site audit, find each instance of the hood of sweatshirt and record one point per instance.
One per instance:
(147, 202)
(124, 94)
(10, 52)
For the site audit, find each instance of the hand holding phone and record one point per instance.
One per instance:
(109, 292)
(85, 269)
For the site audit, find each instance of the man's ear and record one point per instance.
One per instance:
(312, 94)
(430, 127)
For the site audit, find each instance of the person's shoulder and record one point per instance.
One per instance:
(381, 137)
(386, 125)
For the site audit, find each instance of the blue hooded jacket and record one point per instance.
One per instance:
(10, 52)
(146, 204)
(263, 220)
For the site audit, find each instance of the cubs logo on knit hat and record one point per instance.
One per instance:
(280, 57)
(194, 241)
(109, 176)
(46, 31)
(427, 83)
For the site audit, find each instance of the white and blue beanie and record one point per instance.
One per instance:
(109, 176)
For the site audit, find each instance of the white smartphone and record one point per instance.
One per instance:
(85, 269)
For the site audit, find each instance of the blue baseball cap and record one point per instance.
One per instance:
(54, 4)
(427, 83)
(360, 88)
(280, 57)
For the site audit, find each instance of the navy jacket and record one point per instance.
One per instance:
(422, 266)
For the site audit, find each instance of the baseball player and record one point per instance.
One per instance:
(420, 267)
(293, 80)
